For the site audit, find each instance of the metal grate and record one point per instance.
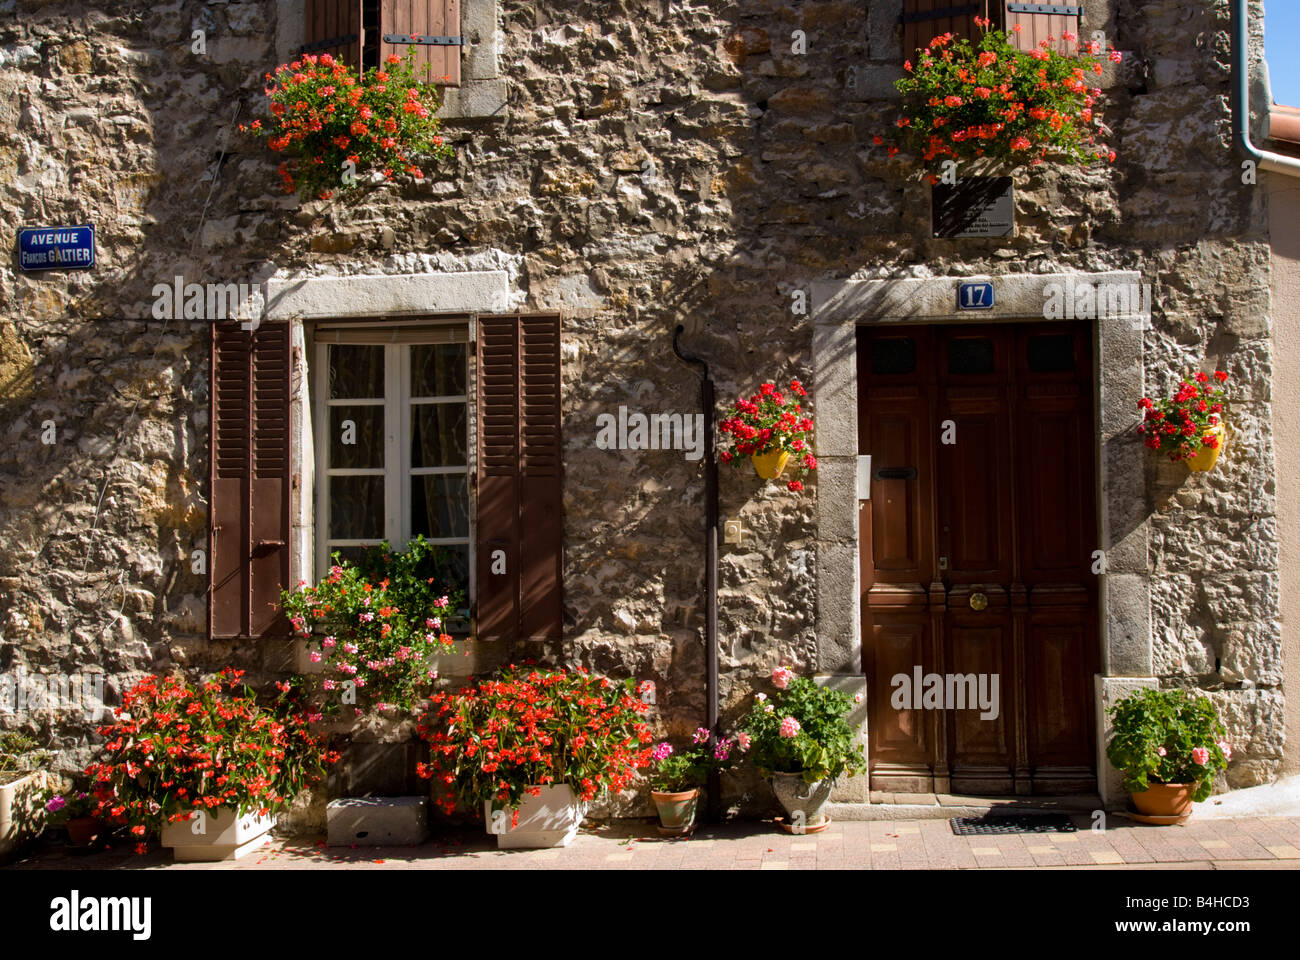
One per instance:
(1006, 824)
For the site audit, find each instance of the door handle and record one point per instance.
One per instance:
(978, 601)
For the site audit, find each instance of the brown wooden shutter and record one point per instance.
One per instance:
(1039, 21)
(923, 20)
(249, 511)
(519, 481)
(334, 27)
(434, 27)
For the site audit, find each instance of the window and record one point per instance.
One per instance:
(364, 32)
(923, 20)
(392, 442)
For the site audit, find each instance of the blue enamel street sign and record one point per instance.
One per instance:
(975, 296)
(56, 248)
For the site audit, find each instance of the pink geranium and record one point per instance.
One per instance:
(1201, 755)
(790, 727)
(781, 677)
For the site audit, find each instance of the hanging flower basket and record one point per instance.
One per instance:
(770, 428)
(1189, 426)
(337, 131)
(992, 102)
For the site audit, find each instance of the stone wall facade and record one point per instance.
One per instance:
(652, 163)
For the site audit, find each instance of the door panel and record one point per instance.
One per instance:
(976, 556)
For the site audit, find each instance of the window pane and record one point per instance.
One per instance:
(440, 507)
(356, 373)
(1051, 353)
(438, 435)
(894, 356)
(453, 568)
(351, 554)
(356, 437)
(969, 356)
(356, 508)
(438, 369)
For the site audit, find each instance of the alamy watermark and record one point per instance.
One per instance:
(26, 693)
(179, 300)
(656, 431)
(947, 691)
(1085, 300)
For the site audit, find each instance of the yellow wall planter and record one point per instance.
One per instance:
(1206, 457)
(770, 465)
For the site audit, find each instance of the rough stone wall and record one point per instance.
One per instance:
(661, 163)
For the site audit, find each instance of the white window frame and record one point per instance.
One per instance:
(397, 402)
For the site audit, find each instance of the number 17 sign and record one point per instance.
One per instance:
(975, 296)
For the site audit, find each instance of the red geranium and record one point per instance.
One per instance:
(769, 422)
(1178, 426)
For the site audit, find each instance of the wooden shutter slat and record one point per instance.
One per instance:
(424, 18)
(334, 27)
(1038, 22)
(923, 20)
(249, 510)
(520, 477)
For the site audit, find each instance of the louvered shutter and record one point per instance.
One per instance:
(520, 526)
(249, 510)
(924, 20)
(334, 27)
(1039, 21)
(433, 26)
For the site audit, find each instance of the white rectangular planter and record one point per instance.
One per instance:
(216, 835)
(22, 816)
(550, 819)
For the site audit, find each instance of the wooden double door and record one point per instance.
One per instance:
(979, 600)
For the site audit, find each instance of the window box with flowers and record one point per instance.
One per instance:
(531, 748)
(993, 106)
(337, 132)
(769, 428)
(1188, 427)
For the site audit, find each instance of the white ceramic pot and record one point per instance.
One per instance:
(22, 816)
(217, 835)
(550, 819)
(803, 803)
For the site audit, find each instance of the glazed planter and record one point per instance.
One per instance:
(217, 834)
(550, 819)
(82, 831)
(1165, 799)
(22, 815)
(803, 803)
(1206, 458)
(676, 811)
(770, 465)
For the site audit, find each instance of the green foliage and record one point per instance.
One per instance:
(19, 753)
(823, 746)
(1188, 731)
(673, 770)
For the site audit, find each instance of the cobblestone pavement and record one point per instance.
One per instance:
(1242, 843)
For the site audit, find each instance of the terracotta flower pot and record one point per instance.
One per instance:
(770, 465)
(1206, 457)
(676, 811)
(83, 830)
(1164, 799)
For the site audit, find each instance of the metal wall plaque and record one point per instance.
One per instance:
(973, 207)
(56, 248)
(976, 295)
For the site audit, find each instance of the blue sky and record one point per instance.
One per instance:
(1281, 34)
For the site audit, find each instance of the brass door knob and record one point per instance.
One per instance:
(978, 601)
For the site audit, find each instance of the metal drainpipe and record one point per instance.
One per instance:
(710, 567)
(1240, 33)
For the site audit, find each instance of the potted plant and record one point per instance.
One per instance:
(376, 625)
(75, 811)
(336, 129)
(22, 782)
(1169, 746)
(992, 104)
(204, 763)
(531, 747)
(676, 777)
(769, 428)
(802, 743)
(1189, 426)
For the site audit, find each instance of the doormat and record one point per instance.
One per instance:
(1003, 824)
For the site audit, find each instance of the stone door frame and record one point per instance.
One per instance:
(1124, 593)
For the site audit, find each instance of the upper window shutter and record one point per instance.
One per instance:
(334, 27)
(1038, 21)
(433, 26)
(520, 529)
(923, 20)
(249, 511)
